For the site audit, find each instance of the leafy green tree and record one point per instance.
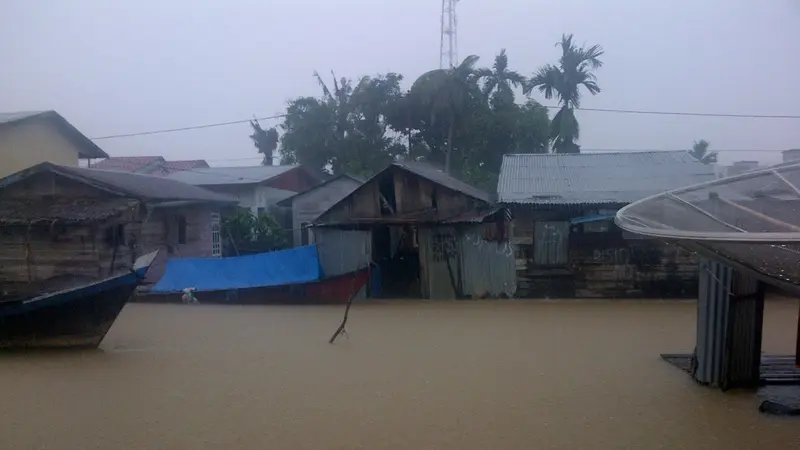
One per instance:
(344, 130)
(564, 81)
(499, 81)
(700, 152)
(245, 233)
(266, 141)
(446, 94)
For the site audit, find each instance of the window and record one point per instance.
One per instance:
(305, 232)
(216, 237)
(181, 230)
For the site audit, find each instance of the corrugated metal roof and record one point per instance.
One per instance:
(229, 175)
(288, 200)
(86, 147)
(438, 176)
(621, 177)
(144, 187)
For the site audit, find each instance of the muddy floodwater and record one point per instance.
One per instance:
(412, 375)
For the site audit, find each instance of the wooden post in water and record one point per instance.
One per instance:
(797, 346)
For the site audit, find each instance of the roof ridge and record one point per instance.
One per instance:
(617, 152)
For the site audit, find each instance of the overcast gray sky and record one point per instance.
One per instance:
(116, 67)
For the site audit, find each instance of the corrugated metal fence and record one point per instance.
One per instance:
(488, 268)
(342, 251)
(729, 326)
(462, 256)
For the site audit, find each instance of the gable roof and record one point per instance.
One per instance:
(86, 148)
(230, 175)
(142, 187)
(436, 175)
(430, 173)
(596, 178)
(288, 200)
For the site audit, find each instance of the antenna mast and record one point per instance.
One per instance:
(448, 45)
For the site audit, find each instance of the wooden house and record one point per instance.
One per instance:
(62, 225)
(426, 234)
(566, 241)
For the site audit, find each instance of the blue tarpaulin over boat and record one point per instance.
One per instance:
(296, 265)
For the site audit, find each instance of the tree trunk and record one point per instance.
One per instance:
(449, 147)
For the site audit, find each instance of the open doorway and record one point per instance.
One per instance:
(396, 252)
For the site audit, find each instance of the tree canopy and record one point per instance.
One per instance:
(700, 152)
(462, 118)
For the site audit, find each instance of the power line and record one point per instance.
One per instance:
(195, 127)
(583, 150)
(605, 110)
(679, 113)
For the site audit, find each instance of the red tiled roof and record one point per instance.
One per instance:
(151, 165)
(129, 164)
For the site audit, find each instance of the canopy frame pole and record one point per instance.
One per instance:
(769, 219)
(703, 212)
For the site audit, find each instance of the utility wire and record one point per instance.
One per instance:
(605, 110)
(195, 127)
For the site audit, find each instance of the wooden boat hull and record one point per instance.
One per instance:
(77, 317)
(332, 290)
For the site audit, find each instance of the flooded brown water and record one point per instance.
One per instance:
(412, 375)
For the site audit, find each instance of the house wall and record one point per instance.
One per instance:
(308, 206)
(48, 255)
(556, 259)
(29, 143)
(159, 231)
(252, 196)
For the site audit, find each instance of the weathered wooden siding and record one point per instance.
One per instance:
(412, 193)
(57, 254)
(607, 266)
(556, 259)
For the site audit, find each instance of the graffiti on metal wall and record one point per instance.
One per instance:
(443, 246)
(502, 248)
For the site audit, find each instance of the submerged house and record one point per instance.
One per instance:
(306, 206)
(424, 233)
(64, 225)
(566, 241)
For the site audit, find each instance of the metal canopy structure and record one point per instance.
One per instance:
(750, 222)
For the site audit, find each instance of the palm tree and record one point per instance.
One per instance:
(700, 152)
(445, 93)
(564, 81)
(500, 80)
(266, 141)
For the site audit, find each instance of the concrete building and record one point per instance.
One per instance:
(32, 137)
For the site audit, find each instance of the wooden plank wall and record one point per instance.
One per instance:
(412, 194)
(601, 264)
(37, 259)
(43, 257)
